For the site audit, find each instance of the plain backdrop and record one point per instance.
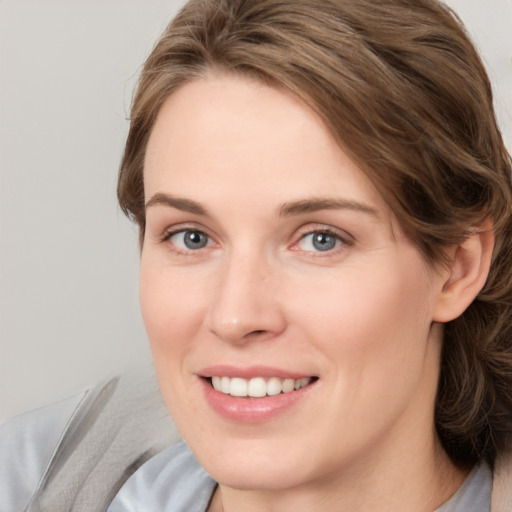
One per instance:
(69, 313)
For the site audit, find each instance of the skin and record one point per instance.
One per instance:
(362, 317)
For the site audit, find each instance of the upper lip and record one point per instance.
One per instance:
(249, 372)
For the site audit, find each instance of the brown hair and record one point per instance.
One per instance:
(402, 88)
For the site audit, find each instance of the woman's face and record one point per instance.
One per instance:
(270, 261)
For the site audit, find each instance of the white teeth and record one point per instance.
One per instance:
(238, 387)
(224, 385)
(288, 385)
(274, 386)
(305, 381)
(216, 383)
(258, 386)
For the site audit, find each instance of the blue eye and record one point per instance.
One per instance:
(321, 241)
(189, 240)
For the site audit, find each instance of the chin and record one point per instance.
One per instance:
(256, 475)
(255, 464)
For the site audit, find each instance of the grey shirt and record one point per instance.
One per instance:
(173, 481)
(474, 494)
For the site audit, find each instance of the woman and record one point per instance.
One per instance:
(324, 203)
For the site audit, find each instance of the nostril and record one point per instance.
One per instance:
(256, 334)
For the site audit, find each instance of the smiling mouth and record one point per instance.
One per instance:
(258, 387)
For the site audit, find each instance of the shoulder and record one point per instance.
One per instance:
(27, 443)
(97, 442)
(171, 480)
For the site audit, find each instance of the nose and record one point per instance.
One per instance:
(246, 304)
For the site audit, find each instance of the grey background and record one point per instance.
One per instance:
(69, 312)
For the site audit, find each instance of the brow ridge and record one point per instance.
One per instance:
(287, 209)
(186, 205)
(316, 204)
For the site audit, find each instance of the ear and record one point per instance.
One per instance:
(466, 273)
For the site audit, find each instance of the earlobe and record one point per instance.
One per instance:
(467, 273)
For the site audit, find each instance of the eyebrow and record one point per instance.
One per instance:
(286, 210)
(185, 205)
(317, 204)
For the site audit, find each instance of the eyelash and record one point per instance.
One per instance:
(341, 241)
(186, 252)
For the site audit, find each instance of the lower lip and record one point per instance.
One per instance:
(252, 410)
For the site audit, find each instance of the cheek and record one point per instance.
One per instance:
(373, 325)
(172, 309)
(388, 307)
(172, 314)
(372, 330)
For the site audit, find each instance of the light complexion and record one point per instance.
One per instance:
(270, 258)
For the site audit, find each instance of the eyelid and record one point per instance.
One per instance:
(346, 238)
(171, 231)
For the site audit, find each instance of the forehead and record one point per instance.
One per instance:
(228, 115)
(231, 138)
